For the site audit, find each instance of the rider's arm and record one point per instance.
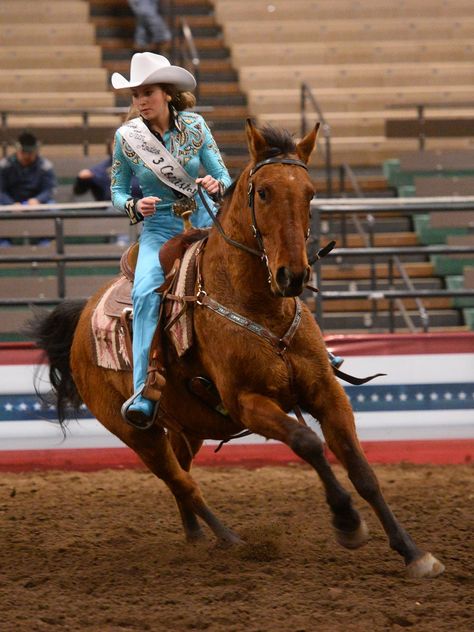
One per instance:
(120, 183)
(211, 159)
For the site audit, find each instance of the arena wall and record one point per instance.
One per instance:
(422, 411)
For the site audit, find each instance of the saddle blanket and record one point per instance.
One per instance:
(179, 312)
(109, 337)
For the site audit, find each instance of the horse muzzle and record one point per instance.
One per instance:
(289, 282)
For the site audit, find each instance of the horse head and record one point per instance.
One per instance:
(279, 196)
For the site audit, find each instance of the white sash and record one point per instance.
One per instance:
(156, 157)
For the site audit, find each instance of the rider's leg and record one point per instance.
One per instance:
(146, 304)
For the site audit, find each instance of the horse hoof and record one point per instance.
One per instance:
(425, 566)
(229, 538)
(194, 537)
(353, 539)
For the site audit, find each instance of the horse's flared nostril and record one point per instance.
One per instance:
(283, 277)
(291, 283)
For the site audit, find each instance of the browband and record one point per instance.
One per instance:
(275, 161)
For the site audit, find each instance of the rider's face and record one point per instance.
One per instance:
(151, 101)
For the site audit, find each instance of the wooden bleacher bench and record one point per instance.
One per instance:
(447, 127)
(65, 56)
(348, 75)
(55, 100)
(448, 219)
(346, 52)
(444, 186)
(53, 80)
(327, 9)
(469, 277)
(77, 286)
(54, 135)
(70, 12)
(402, 172)
(399, 28)
(23, 228)
(354, 98)
(71, 33)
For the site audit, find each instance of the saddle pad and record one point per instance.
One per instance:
(179, 312)
(109, 337)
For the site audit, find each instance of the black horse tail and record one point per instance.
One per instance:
(53, 332)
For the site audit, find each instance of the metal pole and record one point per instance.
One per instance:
(303, 109)
(316, 231)
(391, 312)
(373, 269)
(61, 266)
(421, 126)
(327, 138)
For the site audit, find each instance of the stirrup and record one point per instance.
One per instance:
(139, 419)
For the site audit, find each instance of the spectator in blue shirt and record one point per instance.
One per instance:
(26, 178)
(96, 180)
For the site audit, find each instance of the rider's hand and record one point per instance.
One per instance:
(147, 205)
(210, 184)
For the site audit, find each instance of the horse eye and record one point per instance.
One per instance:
(261, 194)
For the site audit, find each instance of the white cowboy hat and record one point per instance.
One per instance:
(146, 68)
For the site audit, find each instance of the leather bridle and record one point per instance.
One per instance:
(260, 253)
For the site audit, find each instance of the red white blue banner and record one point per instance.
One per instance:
(421, 411)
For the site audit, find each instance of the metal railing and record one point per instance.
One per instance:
(306, 94)
(58, 213)
(368, 238)
(83, 114)
(338, 209)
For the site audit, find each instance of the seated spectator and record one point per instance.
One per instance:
(26, 178)
(96, 180)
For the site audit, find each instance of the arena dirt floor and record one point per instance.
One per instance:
(104, 552)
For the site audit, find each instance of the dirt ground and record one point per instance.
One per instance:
(105, 552)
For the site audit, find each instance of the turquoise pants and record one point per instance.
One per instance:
(148, 276)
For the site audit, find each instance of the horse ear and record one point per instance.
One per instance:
(255, 141)
(305, 147)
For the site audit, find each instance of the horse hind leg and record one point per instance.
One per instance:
(335, 415)
(185, 448)
(156, 451)
(265, 417)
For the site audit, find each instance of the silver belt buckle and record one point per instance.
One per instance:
(184, 207)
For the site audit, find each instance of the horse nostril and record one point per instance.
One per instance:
(283, 277)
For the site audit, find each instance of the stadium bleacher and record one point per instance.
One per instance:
(365, 68)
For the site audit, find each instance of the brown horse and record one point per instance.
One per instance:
(255, 341)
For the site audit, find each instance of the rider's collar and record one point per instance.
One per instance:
(175, 123)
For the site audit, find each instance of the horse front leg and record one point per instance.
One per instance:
(265, 417)
(334, 413)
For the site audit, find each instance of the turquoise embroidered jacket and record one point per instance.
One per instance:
(190, 141)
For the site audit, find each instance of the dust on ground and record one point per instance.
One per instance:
(105, 552)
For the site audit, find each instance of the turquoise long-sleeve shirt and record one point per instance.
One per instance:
(190, 141)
